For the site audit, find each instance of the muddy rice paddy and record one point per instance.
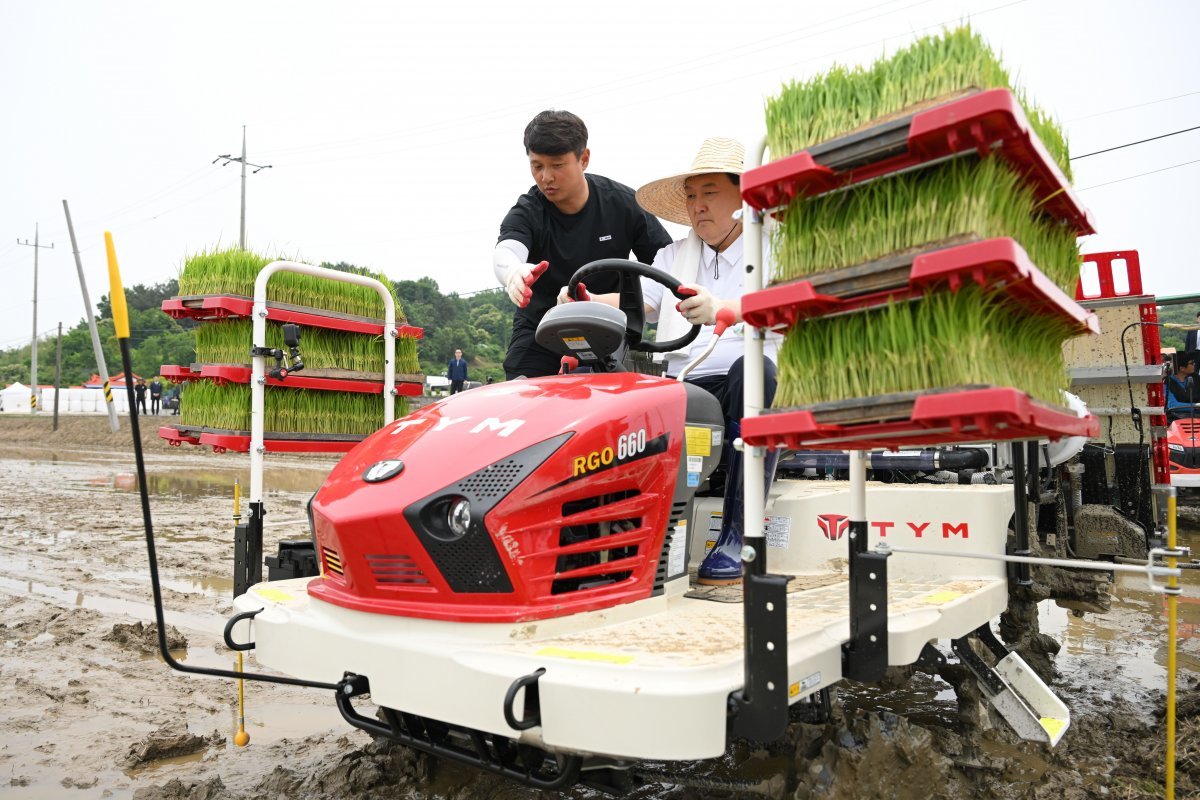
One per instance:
(90, 711)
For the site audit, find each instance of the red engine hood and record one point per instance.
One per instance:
(616, 435)
(470, 430)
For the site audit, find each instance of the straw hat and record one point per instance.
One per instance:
(665, 197)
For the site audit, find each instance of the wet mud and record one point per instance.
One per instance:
(91, 711)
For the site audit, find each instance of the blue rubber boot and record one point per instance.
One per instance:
(723, 564)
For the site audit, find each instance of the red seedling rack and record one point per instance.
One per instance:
(996, 264)
(972, 414)
(214, 307)
(239, 441)
(232, 373)
(983, 122)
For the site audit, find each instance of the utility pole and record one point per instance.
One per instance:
(33, 388)
(97, 350)
(257, 168)
(57, 374)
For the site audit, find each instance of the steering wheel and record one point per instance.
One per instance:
(630, 293)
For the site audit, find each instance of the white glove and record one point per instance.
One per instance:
(700, 309)
(519, 280)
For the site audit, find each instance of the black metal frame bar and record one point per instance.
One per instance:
(248, 551)
(1021, 477)
(864, 657)
(490, 752)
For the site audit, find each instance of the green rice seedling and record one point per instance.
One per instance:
(233, 271)
(963, 197)
(227, 407)
(845, 99)
(941, 341)
(228, 342)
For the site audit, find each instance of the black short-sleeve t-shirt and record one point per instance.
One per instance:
(610, 225)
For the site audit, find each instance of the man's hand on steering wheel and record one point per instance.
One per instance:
(630, 299)
(701, 308)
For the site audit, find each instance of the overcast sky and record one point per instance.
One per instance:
(394, 129)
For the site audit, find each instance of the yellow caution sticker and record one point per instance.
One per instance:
(274, 595)
(584, 655)
(938, 598)
(576, 342)
(1052, 725)
(699, 441)
(794, 689)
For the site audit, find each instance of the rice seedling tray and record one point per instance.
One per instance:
(992, 264)
(210, 307)
(239, 441)
(935, 417)
(982, 122)
(331, 380)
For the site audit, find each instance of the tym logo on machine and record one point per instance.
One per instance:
(834, 526)
(492, 424)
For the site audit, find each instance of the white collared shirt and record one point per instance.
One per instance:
(723, 275)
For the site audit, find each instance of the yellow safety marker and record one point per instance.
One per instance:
(116, 295)
(1052, 725)
(107, 392)
(274, 595)
(584, 655)
(241, 738)
(1172, 620)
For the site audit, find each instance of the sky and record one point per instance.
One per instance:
(393, 129)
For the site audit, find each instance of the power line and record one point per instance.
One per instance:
(1139, 175)
(673, 69)
(1135, 105)
(640, 79)
(1140, 141)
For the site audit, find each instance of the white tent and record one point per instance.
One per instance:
(15, 399)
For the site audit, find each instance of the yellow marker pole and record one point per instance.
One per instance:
(241, 738)
(1172, 621)
(116, 296)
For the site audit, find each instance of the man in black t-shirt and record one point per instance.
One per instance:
(566, 220)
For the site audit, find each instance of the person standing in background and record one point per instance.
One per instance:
(139, 392)
(457, 372)
(156, 390)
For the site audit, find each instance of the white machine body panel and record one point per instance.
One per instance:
(651, 679)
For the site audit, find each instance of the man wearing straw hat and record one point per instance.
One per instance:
(566, 220)
(710, 262)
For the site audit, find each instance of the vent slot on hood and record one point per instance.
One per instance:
(333, 562)
(594, 533)
(395, 570)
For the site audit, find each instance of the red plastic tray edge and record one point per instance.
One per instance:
(985, 263)
(222, 442)
(997, 414)
(229, 307)
(227, 373)
(934, 133)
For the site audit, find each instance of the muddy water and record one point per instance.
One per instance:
(1131, 639)
(72, 564)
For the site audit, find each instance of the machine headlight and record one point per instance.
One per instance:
(459, 516)
(1178, 448)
